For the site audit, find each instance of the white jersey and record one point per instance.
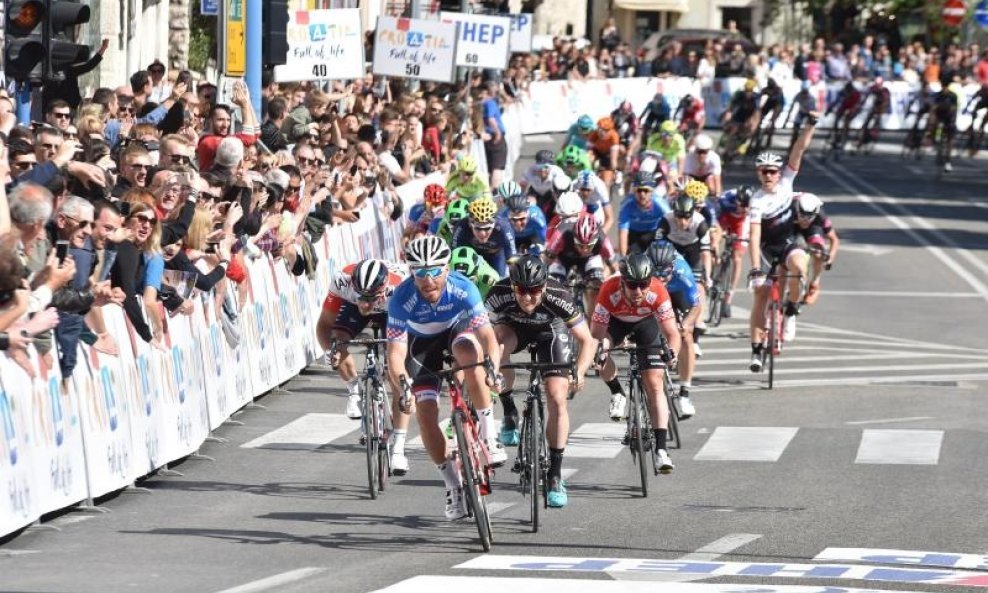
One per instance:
(702, 168)
(531, 179)
(768, 206)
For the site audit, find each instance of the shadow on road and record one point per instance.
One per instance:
(287, 489)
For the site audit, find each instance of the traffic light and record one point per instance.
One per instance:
(274, 43)
(62, 50)
(24, 54)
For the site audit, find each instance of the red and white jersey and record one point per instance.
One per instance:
(341, 289)
(612, 303)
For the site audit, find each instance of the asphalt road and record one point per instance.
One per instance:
(873, 439)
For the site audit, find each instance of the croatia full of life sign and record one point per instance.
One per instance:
(415, 48)
(323, 44)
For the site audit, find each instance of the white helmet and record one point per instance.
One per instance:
(703, 142)
(562, 182)
(426, 252)
(808, 204)
(768, 159)
(569, 204)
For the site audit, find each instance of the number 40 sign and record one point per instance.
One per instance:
(323, 44)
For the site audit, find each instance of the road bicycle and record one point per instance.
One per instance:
(375, 407)
(836, 138)
(975, 135)
(532, 462)
(473, 461)
(869, 133)
(720, 287)
(775, 319)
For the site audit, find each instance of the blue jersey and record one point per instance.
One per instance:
(728, 203)
(576, 138)
(709, 212)
(496, 250)
(534, 230)
(416, 211)
(632, 218)
(459, 306)
(683, 281)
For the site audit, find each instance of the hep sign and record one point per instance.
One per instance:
(483, 39)
(481, 33)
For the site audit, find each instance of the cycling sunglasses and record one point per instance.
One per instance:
(528, 290)
(581, 245)
(639, 284)
(665, 273)
(369, 298)
(432, 272)
(484, 228)
(519, 219)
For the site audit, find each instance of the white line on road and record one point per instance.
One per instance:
(12, 553)
(746, 443)
(758, 381)
(905, 557)
(539, 138)
(275, 581)
(705, 363)
(893, 293)
(596, 440)
(307, 432)
(718, 548)
(888, 420)
(900, 447)
(862, 369)
(865, 248)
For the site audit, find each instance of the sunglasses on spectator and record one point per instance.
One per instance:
(144, 218)
(306, 162)
(141, 166)
(126, 110)
(637, 284)
(294, 189)
(179, 159)
(698, 151)
(61, 114)
(528, 290)
(433, 272)
(24, 165)
(83, 224)
(50, 146)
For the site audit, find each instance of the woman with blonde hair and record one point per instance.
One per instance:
(139, 265)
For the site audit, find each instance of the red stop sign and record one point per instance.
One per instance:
(953, 12)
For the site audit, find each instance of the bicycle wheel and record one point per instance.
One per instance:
(773, 335)
(635, 396)
(672, 438)
(470, 473)
(371, 442)
(383, 439)
(533, 456)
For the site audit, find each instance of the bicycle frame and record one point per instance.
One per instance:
(774, 335)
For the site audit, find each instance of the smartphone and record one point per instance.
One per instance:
(210, 248)
(61, 251)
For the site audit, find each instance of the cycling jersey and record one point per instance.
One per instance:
(611, 303)
(602, 142)
(626, 124)
(341, 288)
(742, 106)
(473, 188)
(584, 164)
(459, 305)
(683, 283)
(557, 307)
(532, 179)
(689, 242)
(534, 231)
(422, 218)
(670, 149)
(693, 113)
(559, 225)
(882, 99)
(633, 218)
(732, 220)
(598, 198)
(773, 98)
(655, 113)
(773, 211)
(709, 212)
(576, 138)
(698, 168)
(562, 245)
(497, 249)
(484, 278)
(440, 227)
(847, 102)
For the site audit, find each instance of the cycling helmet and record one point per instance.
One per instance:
(544, 157)
(750, 85)
(456, 211)
(768, 159)
(771, 84)
(808, 205)
(744, 194)
(584, 180)
(369, 277)
(572, 155)
(682, 206)
(668, 127)
(482, 210)
(517, 203)
(636, 268)
(696, 190)
(662, 254)
(561, 182)
(586, 230)
(687, 99)
(703, 142)
(605, 123)
(529, 271)
(507, 189)
(426, 252)
(467, 164)
(569, 204)
(585, 124)
(435, 195)
(464, 260)
(644, 179)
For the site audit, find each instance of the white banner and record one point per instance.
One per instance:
(323, 44)
(484, 40)
(415, 48)
(522, 29)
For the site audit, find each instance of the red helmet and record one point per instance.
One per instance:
(435, 195)
(586, 230)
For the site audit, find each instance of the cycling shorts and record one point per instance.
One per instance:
(774, 254)
(591, 268)
(351, 322)
(552, 346)
(604, 160)
(646, 334)
(426, 353)
(638, 241)
(680, 303)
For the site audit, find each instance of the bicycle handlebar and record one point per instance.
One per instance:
(445, 375)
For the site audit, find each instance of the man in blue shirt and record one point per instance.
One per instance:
(495, 146)
(639, 216)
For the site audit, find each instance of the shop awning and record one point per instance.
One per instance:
(654, 5)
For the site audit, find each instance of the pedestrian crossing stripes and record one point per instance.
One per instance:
(310, 431)
(913, 447)
(751, 443)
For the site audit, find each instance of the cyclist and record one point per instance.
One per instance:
(820, 237)
(465, 179)
(538, 179)
(772, 101)
(802, 103)
(421, 215)
(574, 159)
(881, 101)
(468, 262)
(734, 222)
(979, 101)
(529, 307)
(771, 230)
(454, 213)
(684, 293)
(433, 310)
(656, 112)
(923, 101)
(636, 304)
(626, 124)
(703, 163)
(489, 235)
(639, 218)
(583, 247)
(359, 295)
(605, 145)
(846, 106)
(944, 111)
(526, 221)
(671, 146)
(579, 133)
(593, 191)
(741, 116)
(568, 210)
(691, 115)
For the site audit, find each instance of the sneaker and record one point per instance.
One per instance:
(557, 498)
(947, 167)
(399, 463)
(789, 328)
(497, 453)
(353, 407)
(456, 505)
(756, 363)
(619, 404)
(509, 435)
(686, 409)
(663, 464)
(697, 351)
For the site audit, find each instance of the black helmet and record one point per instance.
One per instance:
(518, 203)
(529, 271)
(636, 268)
(682, 205)
(744, 194)
(662, 254)
(544, 157)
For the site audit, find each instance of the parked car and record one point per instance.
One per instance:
(693, 40)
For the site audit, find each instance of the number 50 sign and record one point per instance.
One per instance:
(415, 48)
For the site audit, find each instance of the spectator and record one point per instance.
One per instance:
(836, 65)
(68, 88)
(59, 114)
(160, 89)
(221, 126)
(134, 167)
(609, 37)
(271, 134)
(495, 145)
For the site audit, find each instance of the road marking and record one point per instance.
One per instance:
(307, 432)
(485, 584)
(865, 248)
(759, 383)
(718, 548)
(900, 447)
(889, 420)
(596, 440)
(907, 557)
(908, 229)
(865, 369)
(743, 362)
(494, 508)
(278, 580)
(896, 294)
(540, 138)
(416, 443)
(746, 443)
(12, 553)
(70, 519)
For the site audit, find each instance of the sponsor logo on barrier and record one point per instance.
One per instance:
(8, 446)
